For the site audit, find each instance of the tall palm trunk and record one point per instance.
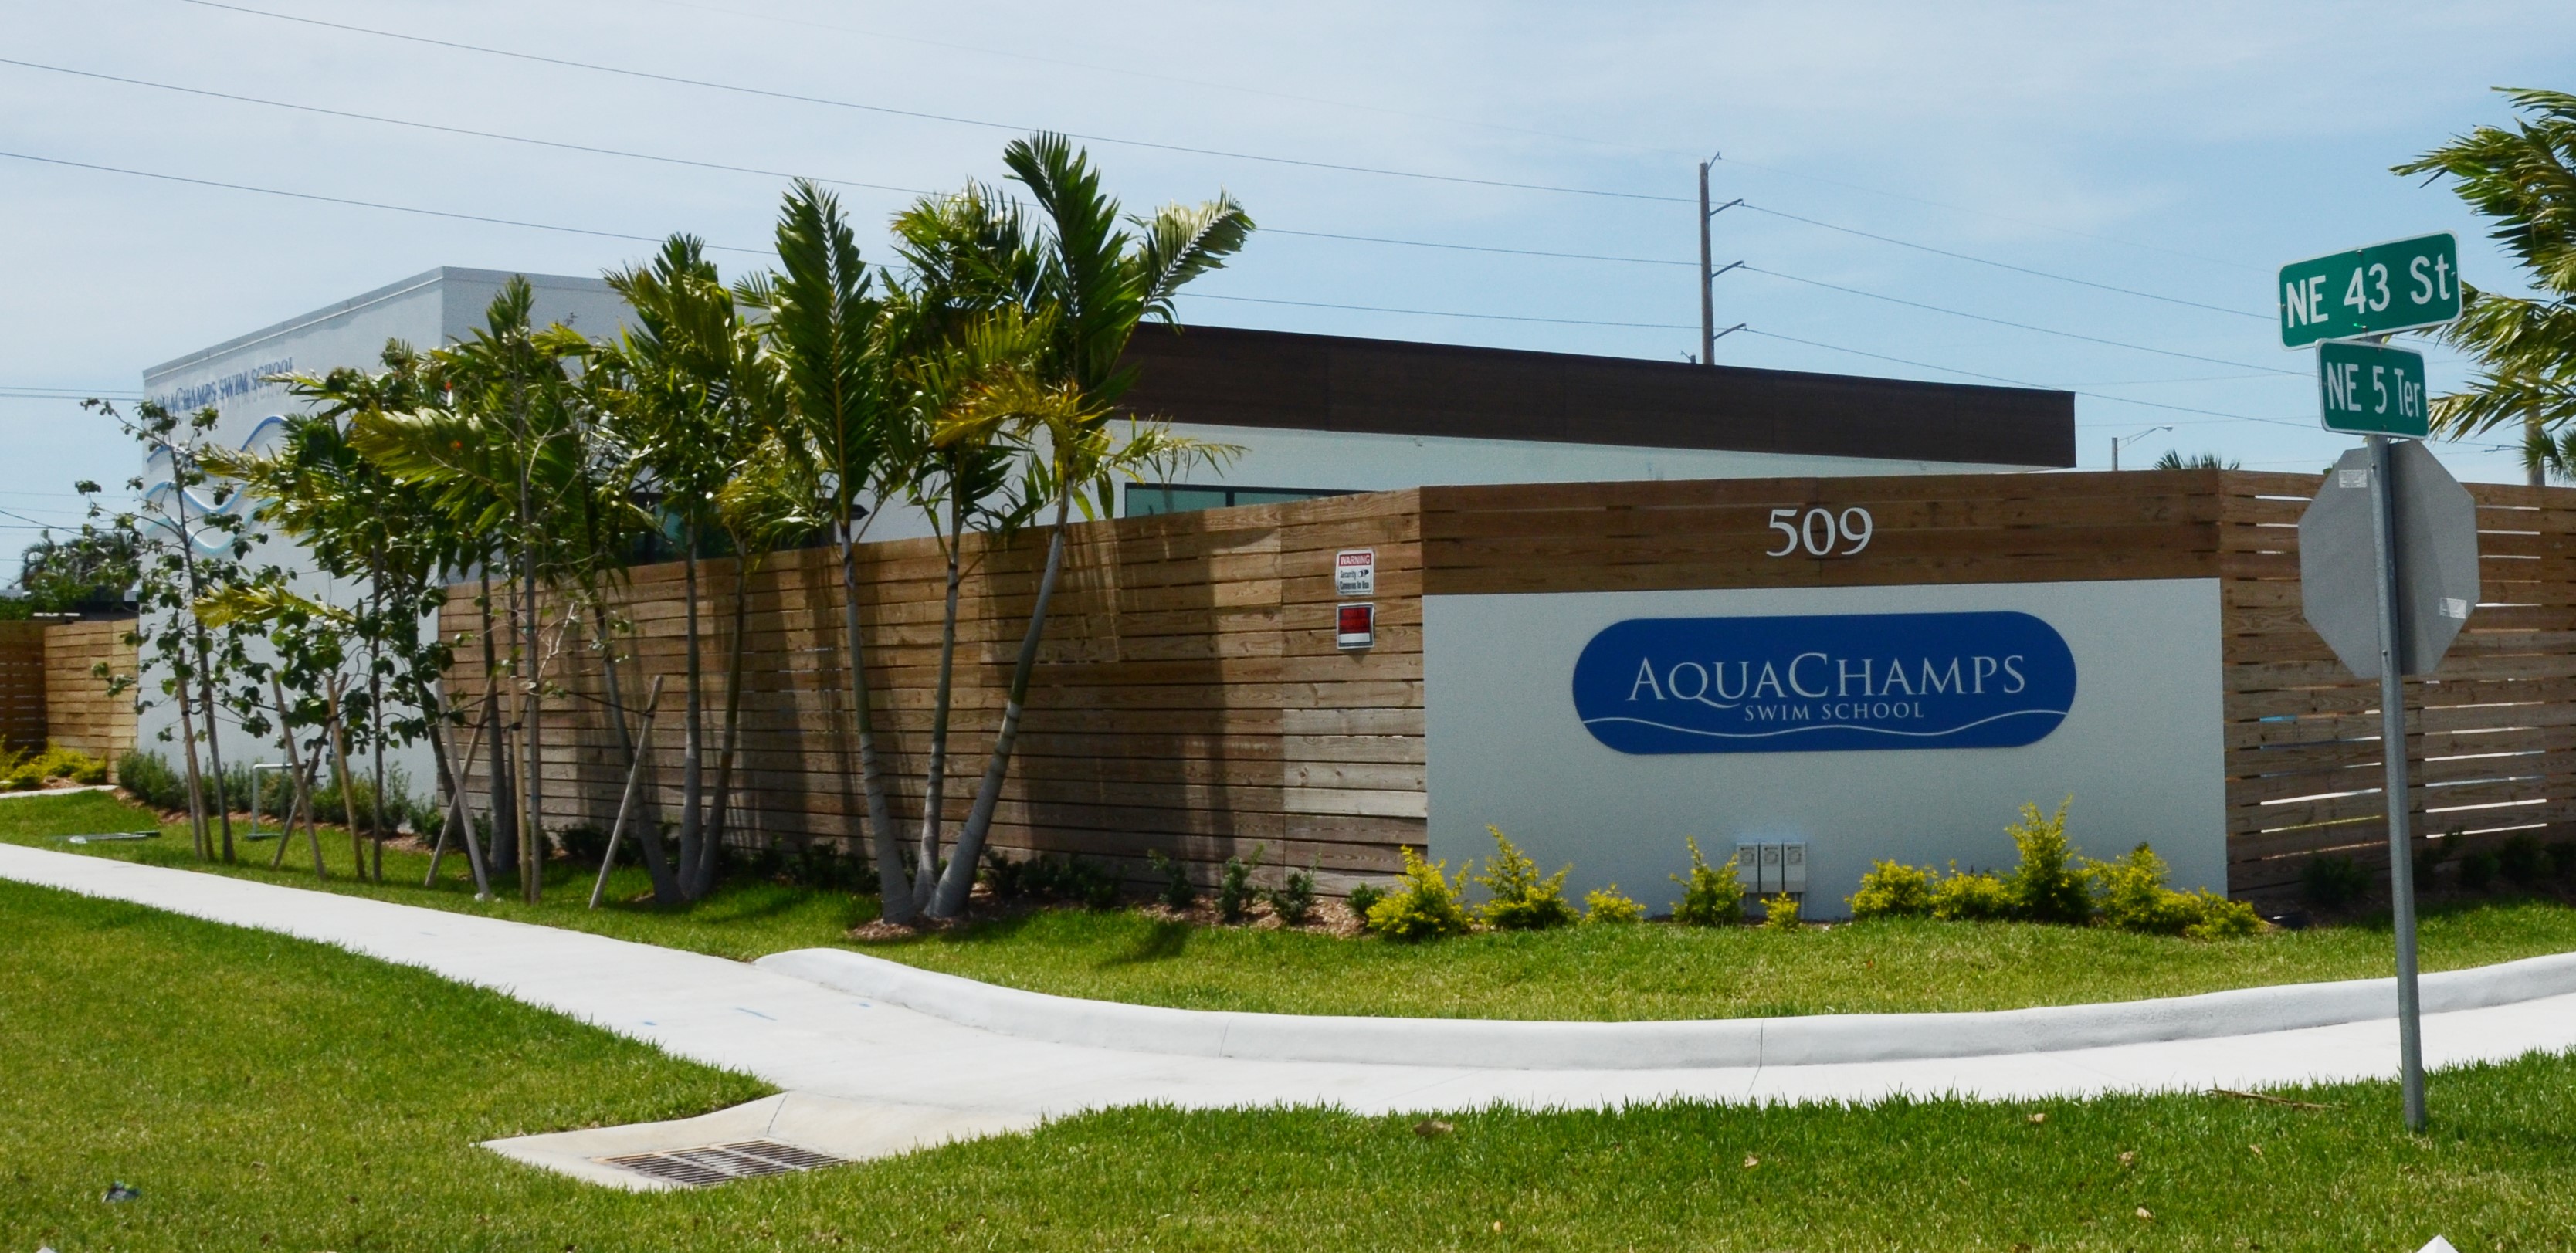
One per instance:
(376, 729)
(729, 737)
(692, 729)
(960, 878)
(894, 894)
(499, 808)
(532, 837)
(666, 885)
(934, 795)
(223, 812)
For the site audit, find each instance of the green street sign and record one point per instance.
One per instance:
(2398, 286)
(2370, 390)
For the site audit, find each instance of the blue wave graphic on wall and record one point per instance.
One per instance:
(1824, 683)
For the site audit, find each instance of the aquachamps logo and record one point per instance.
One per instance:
(1824, 683)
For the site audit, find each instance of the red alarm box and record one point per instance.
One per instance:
(1355, 626)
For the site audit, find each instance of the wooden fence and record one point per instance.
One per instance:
(1190, 697)
(50, 692)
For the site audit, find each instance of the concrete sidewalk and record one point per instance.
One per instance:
(805, 1037)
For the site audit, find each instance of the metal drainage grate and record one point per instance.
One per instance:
(718, 1163)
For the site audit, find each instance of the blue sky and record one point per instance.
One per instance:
(2182, 150)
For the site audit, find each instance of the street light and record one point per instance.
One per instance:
(2115, 442)
(1708, 331)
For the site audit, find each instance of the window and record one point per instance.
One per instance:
(1147, 499)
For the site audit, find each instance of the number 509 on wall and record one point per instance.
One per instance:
(1820, 532)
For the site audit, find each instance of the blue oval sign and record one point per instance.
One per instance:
(1824, 683)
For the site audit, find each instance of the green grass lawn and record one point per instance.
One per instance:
(267, 1093)
(1630, 972)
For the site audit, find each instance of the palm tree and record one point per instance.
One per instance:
(516, 452)
(681, 396)
(2524, 179)
(1092, 284)
(826, 330)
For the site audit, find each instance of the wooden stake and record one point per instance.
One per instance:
(626, 802)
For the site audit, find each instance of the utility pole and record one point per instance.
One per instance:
(1708, 331)
(2115, 442)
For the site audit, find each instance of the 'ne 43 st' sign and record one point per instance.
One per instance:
(2396, 286)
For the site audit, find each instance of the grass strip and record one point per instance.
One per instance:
(262, 1092)
(1607, 973)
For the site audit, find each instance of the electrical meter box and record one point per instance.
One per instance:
(1771, 869)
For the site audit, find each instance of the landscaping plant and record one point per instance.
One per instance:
(1780, 913)
(2333, 881)
(1424, 905)
(2521, 860)
(1362, 898)
(1518, 899)
(1234, 891)
(2045, 885)
(2478, 870)
(1603, 905)
(1177, 892)
(1892, 889)
(1711, 897)
(1972, 896)
(1293, 901)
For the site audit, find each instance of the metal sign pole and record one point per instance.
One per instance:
(2392, 715)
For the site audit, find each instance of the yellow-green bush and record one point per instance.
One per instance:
(1780, 913)
(1607, 905)
(1519, 899)
(2047, 885)
(1893, 889)
(1961, 897)
(1423, 906)
(28, 769)
(2134, 897)
(1711, 897)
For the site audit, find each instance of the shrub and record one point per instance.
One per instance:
(149, 779)
(2333, 881)
(1424, 906)
(1177, 890)
(1893, 890)
(2477, 871)
(1520, 899)
(1294, 899)
(2045, 887)
(1710, 897)
(2429, 856)
(2521, 860)
(1363, 898)
(2220, 917)
(1971, 897)
(1607, 905)
(2562, 859)
(2134, 896)
(1234, 891)
(1780, 913)
(25, 774)
(585, 843)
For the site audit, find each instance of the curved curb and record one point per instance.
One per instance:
(1476, 1043)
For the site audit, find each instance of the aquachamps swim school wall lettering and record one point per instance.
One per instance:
(1824, 683)
(1903, 722)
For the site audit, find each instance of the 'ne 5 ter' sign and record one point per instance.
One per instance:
(2371, 291)
(2366, 389)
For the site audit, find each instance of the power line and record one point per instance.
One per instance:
(362, 204)
(2006, 265)
(2024, 326)
(452, 130)
(1211, 84)
(1997, 378)
(1331, 235)
(924, 115)
(1435, 313)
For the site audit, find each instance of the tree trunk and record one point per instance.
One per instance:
(692, 729)
(376, 732)
(729, 737)
(205, 661)
(503, 815)
(532, 834)
(666, 886)
(960, 878)
(340, 772)
(197, 825)
(893, 892)
(925, 872)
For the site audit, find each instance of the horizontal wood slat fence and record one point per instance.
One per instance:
(1190, 697)
(50, 691)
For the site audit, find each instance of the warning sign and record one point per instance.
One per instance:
(1355, 572)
